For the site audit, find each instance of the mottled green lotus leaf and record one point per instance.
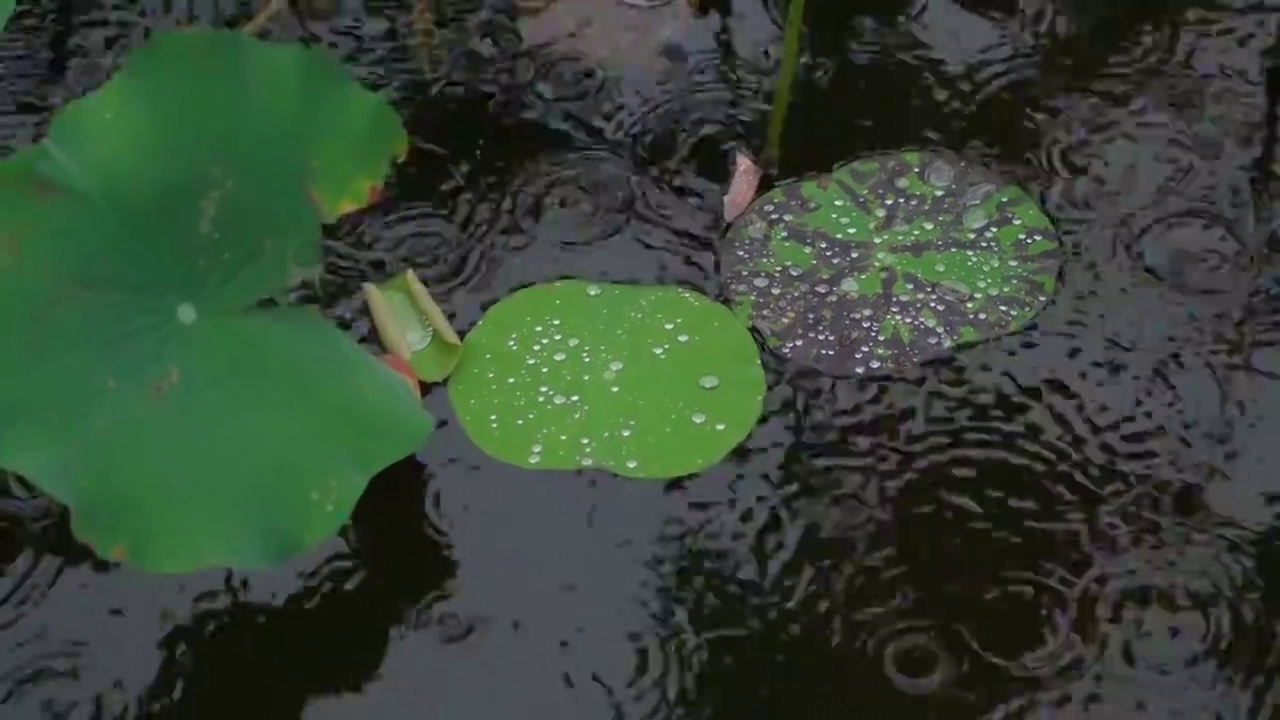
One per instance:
(889, 261)
(646, 381)
(6, 11)
(144, 385)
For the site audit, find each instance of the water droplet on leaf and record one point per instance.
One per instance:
(939, 174)
(186, 313)
(975, 217)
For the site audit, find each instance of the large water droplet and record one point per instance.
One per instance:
(699, 418)
(593, 290)
(978, 193)
(709, 382)
(954, 290)
(187, 313)
(939, 174)
(558, 356)
(419, 338)
(975, 217)
(616, 365)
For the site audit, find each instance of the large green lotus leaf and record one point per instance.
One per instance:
(213, 101)
(645, 381)
(6, 11)
(144, 385)
(890, 261)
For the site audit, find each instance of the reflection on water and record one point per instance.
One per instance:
(1070, 522)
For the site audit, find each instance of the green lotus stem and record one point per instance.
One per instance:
(259, 21)
(782, 97)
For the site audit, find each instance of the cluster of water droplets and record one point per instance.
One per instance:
(836, 309)
(587, 378)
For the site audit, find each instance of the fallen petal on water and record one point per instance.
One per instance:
(742, 188)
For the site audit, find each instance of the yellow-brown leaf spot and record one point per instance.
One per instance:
(8, 251)
(167, 382)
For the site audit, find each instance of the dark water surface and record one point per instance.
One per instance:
(1071, 522)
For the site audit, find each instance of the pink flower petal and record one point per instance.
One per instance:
(742, 188)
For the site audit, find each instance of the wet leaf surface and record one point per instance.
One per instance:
(647, 382)
(890, 261)
(141, 296)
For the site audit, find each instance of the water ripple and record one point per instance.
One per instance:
(28, 523)
(1171, 626)
(577, 199)
(669, 124)
(898, 530)
(26, 61)
(1049, 524)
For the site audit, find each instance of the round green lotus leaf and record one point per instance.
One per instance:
(889, 261)
(646, 381)
(144, 384)
(6, 11)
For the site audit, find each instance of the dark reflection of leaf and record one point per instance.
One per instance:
(36, 547)
(269, 660)
(33, 523)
